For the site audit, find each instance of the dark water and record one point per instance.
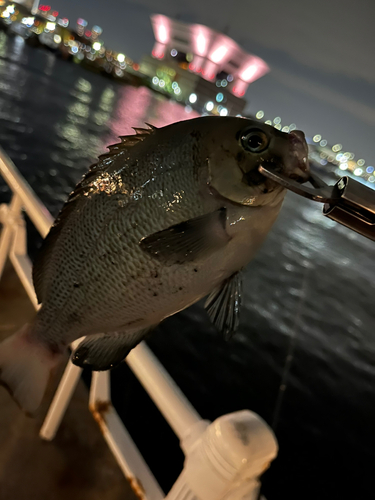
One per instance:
(309, 296)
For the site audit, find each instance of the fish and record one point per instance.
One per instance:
(166, 217)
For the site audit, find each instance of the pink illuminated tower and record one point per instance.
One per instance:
(209, 56)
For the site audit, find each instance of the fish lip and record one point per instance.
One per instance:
(297, 165)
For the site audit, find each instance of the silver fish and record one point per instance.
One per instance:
(166, 217)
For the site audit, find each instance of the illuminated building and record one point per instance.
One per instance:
(96, 32)
(200, 66)
(32, 5)
(81, 25)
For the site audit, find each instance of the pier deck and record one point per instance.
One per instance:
(77, 464)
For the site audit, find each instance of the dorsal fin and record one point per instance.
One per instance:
(95, 171)
(127, 141)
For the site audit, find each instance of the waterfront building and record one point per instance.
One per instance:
(200, 66)
(32, 5)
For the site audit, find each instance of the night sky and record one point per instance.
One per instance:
(321, 54)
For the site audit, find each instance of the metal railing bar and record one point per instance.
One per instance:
(35, 209)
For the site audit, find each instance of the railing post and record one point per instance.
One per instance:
(20, 259)
(8, 215)
(226, 460)
(61, 399)
(163, 390)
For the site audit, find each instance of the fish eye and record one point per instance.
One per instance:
(254, 141)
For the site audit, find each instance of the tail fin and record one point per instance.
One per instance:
(25, 367)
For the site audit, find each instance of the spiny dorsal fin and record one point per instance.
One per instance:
(105, 160)
(127, 141)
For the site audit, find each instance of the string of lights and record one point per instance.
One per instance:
(323, 153)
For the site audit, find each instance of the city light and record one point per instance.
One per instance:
(201, 44)
(200, 39)
(219, 54)
(50, 26)
(343, 159)
(63, 22)
(209, 106)
(120, 58)
(29, 21)
(249, 72)
(223, 112)
(96, 46)
(8, 11)
(97, 29)
(174, 52)
(253, 69)
(155, 80)
(163, 35)
(219, 97)
(193, 98)
(57, 39)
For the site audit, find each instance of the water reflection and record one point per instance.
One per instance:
(54, 128)
(3, 45)
(106, 103)
(132, 110)
(77, 143)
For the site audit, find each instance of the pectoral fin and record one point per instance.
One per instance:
(223, 306)
(106, 350)
(190, 240)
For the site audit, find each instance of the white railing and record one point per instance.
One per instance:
(223, 459)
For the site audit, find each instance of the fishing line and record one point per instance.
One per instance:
(289, 358)
(291, 350)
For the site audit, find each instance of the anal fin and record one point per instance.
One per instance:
(104, 351)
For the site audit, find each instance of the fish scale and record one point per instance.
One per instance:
(100, 269)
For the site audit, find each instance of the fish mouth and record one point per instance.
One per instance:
(296, 161)
(292, 163)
